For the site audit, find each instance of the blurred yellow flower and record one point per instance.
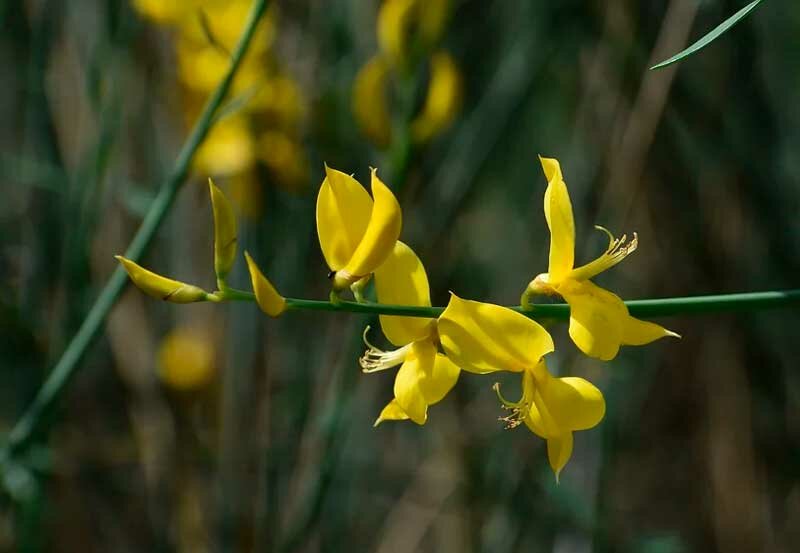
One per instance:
(228, 149)
(404, 26)
(186, 359)
(356, 234)
(284, 157)
(370, 103)
(443, 100)
(599, 320)
(425, 375)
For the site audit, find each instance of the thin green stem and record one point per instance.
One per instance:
(68, 364)
(664, 307)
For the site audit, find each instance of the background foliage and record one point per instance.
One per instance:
(275, 450)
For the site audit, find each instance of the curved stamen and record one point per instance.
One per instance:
(618, 249)
(376, 359)
(519, 409)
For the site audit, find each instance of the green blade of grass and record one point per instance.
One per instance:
(710, 37)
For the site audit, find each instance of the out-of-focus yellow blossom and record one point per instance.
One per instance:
(599, 320)
(201, 67)
(370, 103)
(221, 22)
(443, 100)
(228, 149)
(407, 25)
(165, 12)
(225, 234)
(356, 234)
(186, 359)
(553, 408)
(483, 338)
(279, 100)
(247, 194)
(284, 157)
(161, 287)
(425, 375)
(267, 297)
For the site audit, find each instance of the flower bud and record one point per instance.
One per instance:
(225, 239)
(161, 287)
(268, 298)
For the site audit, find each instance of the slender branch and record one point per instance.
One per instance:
(68, 364)
(664, 307)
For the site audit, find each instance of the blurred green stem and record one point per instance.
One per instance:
(664, 307)
(68, 364)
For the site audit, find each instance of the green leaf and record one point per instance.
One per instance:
(710, 37)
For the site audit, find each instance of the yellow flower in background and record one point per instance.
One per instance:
(599, 320)
(186, 359)
(443, 100)
(267, 297)
(356, 233)
(285, 158)
(406, 25)
(161, 287)
(165, 12)
(553, 408)
(425, 375)
(370, 103)
(228, 149)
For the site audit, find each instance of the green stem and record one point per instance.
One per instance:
(664, 307)
(69, 362)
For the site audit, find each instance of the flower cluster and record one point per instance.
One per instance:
(408, 33)
(359, 237)
(263, 126)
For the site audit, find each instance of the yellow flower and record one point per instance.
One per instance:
(267, 297)
(356, 234)
(483, 338)
(443, 100)
(161, 287)
(186, 359)
(599, 320)
(554, 408)
(425, 375)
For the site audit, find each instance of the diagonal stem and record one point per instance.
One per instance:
(68, 364)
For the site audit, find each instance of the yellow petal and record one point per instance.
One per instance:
(161, 287)
(343, 213)
(638, 333)
(559, 450)
(370, 105)
(392, 412)
(482, 338)
(443, 100)
(409, 383)
(268, 298)
(229, 148)
(401, 280)
(571, 403)
(225, 236)
(381, 234)
(443, 376)
(599, 321)
(558, 212)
